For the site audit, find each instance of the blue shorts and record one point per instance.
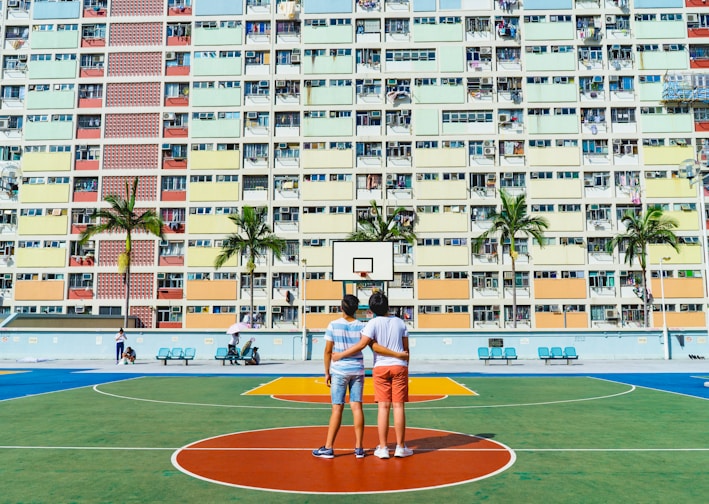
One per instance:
(339, 384)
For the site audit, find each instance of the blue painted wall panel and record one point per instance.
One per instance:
(547, 4)
(218, 7)
(658, 4)
(449, 5)
(327, 6)
(424, 5)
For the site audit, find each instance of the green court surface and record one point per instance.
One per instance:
(575, 440)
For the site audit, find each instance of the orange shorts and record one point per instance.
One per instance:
(391, 384)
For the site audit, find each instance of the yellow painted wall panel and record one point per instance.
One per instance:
(46, 161)
(43, 225)
(40, 257)
(559, 255)
(327, 191)
(687, 220)
(215, 160)
(441, 189)
(668, 154)
(211, 289)
(554, 156)
(443, 256)
(317, 256)
(326, 158)
(559, 288)
(205, 256)
(443, 289)
(213, 191)
(327, 223)
(440, 158)
(39, 290)
(446, 222)
(688, 254)
(546, 189)
(444, 321)
(45, 193)
(565, 221)
(211, 224)
(669, 188)
(318, 321)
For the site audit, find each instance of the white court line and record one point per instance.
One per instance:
(348, 450)
(65, 390)
(410, 406)
(651, 388)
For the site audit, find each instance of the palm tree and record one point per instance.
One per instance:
(122, 217)
(640, 231)
(380, 229)
(253, 239)
(511, 221)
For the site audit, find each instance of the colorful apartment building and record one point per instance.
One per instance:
(312, 109)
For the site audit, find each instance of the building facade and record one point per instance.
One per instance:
(313, 109)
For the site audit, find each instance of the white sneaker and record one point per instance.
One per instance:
(403, 451)
(381, 452)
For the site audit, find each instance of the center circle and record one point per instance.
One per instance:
(280, 460)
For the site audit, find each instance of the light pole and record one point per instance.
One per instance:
(665, 333)
(304, 339)
(695, 172)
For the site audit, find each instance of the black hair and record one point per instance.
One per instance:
(379, 304)
(350, 304)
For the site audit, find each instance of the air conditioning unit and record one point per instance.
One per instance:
(295, 58)
(503, 118)
(22, 57)
(501, 80)
(263, 83)
(252, 115)
(610, 18)
(280, 83)
(486, 80)
(486, 50)
(611, 314)
(489, 151)
(489, 143)
(175, 309)
(161, 276)
(368, 82)
(168, 116)
(4, 124)
(166, 147)
(86, 276)
(405, 112)
(375, 113)
(555, 308)
(315, 243)
(15, 149)
(692, 18)
(250, 54)
(13, 3)
(276, 309)
(282, 146)
(284, 210)
(78, 309)
(170, 55)
(507, 176)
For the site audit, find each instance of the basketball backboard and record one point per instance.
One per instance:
(356, 261)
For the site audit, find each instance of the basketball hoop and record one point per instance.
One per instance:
(363, 274)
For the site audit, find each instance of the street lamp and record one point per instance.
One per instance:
(665, 334)
(304, 348)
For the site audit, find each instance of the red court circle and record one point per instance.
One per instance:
(280, 460)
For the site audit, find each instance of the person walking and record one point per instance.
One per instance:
(120, 344)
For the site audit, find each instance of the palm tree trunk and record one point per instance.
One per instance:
(251, 300)
(127, 303)
(514, 294)
(645, 299)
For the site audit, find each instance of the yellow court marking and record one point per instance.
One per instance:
(293, 385)
(12, 372)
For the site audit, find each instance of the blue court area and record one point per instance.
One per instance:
(15, 383)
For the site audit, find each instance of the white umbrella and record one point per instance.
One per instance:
(237, 328)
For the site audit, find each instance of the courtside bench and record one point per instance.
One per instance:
(496, 353)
